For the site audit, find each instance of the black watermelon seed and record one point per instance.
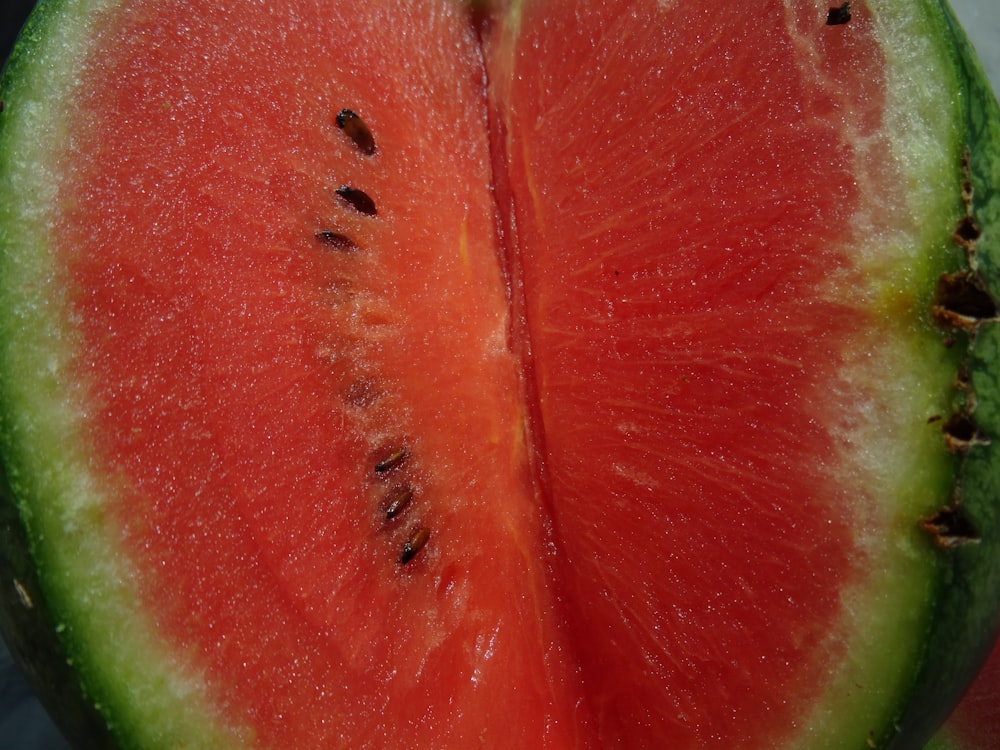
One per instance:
(335, 240)
(397, 500)
(392, 458)
(414, 544)
(359, 200)
(356, 129)
(839, 16)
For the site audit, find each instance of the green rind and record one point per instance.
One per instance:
(964, 622)
(83, 607)
(29, 631)
(26, 623)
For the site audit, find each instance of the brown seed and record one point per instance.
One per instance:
(392, 458)
(335, 240)
(359, 200)
(356, 129)
(396, 501)
(413, 545)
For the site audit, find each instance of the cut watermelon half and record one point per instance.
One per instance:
(540, 374)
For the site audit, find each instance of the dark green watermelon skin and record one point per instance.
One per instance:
(29, 632)
(12, 17)
(966, 622)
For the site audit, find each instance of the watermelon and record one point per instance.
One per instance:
(577, 374)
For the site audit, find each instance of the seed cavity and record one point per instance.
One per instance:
(963, 380)
(359, 200)
(962, 301)
(413, 545)
(356, 129)
(391, 458)
(967, 182)
(396, 501)
(335, 240)
(961, 433)
(839, 16)
(950, 527)
(967, 232)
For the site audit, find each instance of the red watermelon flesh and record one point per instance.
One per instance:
(610, 333)
(685, 357)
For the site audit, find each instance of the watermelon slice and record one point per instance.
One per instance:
(536, 374)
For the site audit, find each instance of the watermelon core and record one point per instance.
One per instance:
(611, 335)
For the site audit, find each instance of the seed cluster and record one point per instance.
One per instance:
(389, 463)
(963, 303)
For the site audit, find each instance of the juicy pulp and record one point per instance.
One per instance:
(652, 326)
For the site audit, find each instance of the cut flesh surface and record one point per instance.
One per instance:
(684, 287)
(326, 358)
(627, 324)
